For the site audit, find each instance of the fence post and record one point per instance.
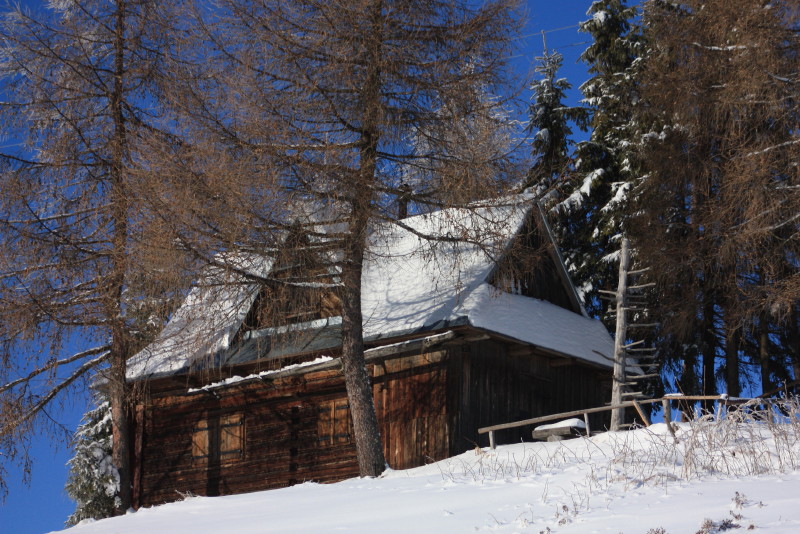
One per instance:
(586, 421)
(491, 439)
(668, 416)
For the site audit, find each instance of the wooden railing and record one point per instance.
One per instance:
(723, 400)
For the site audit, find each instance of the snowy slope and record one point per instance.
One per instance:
(632, 483)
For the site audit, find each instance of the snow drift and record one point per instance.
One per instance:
(736, 475)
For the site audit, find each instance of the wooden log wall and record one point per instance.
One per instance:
(297, 428)
(280, 442)
(293, 432)
(411, 403)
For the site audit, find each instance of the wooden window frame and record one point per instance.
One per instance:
(219, 439)
(334, 423)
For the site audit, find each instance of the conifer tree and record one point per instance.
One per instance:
(93, 481)
(309, 107)
(478, 148)
(549, 122)
(591, 216)
(718, 210)
(81, 251)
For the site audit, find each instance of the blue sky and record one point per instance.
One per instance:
(43, 506)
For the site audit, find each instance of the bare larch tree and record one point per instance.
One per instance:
(719, 203)
(304, 118)
(81, 261)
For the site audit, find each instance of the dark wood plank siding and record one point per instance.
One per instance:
(492, 382)
(411, 403)
(280, 434)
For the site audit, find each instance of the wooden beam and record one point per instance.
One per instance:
(644, 417)
(479, 337)
(374, 355)
(575, 413)
(629, 345)
(620, 335)
(420, 344)
(642, 377)
(642, 286)
(563, 415)
(668, 418)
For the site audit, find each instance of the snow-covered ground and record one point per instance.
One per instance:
(729, 477)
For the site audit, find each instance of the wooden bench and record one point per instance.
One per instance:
(567, 429)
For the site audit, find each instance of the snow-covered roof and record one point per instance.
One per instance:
(207, 320)
(420, 274)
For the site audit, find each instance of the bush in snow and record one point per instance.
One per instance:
(93, 480)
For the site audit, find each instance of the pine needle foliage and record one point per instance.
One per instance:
(592, 213)
(549, 123)
(93, 481)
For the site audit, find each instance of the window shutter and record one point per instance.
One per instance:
(231, 431)
(200, 444)
(334, 425)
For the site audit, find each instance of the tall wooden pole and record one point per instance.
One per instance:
(618, 414)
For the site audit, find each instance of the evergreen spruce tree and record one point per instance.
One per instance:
(591, 214)
(93, 480)
(549, 122)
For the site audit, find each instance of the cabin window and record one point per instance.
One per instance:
(334, 425)
(218, 439)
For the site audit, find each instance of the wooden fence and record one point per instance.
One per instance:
(722, 400)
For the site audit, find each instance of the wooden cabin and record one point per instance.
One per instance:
(459, 335)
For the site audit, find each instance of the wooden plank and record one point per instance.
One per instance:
(421, 344)
(645, 419)
(559, 431)
(574, 413)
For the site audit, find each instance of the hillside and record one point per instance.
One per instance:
(730, 476)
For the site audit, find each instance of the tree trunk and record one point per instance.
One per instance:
(120, 427)
(793, 335)
(763, 354)
(709, 378)
(369, 450)
(618, 414)
(732, 362)
(119, 397)
(371, 460)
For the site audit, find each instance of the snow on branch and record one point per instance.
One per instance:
(769, 149)
(721, 48)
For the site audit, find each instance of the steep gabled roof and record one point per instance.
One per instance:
(421, 273)
(207, 321)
